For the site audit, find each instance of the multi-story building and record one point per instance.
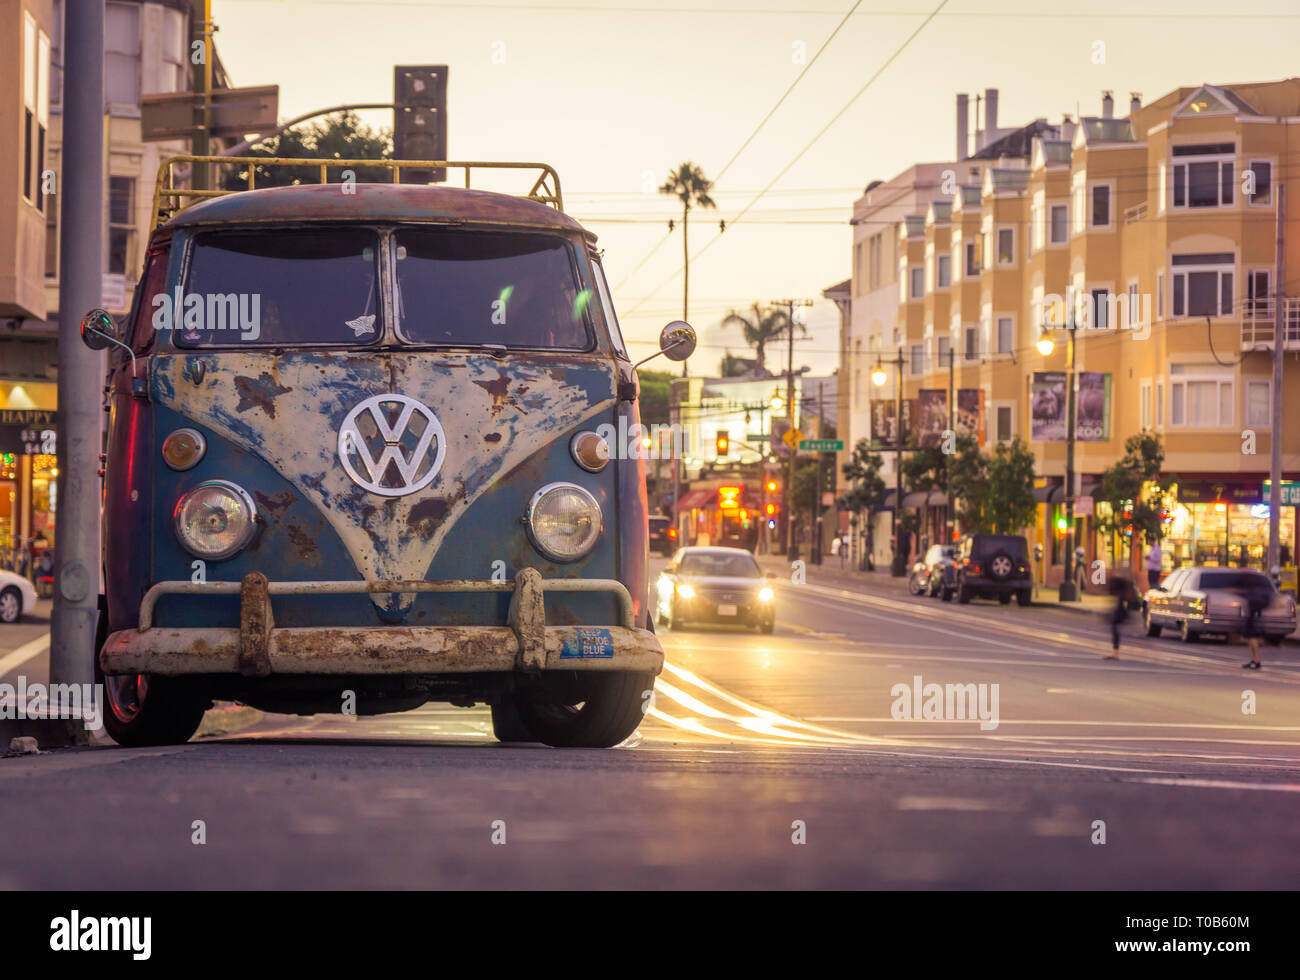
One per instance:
(147, 47)
(1155, 236)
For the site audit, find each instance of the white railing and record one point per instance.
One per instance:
(1258, 324)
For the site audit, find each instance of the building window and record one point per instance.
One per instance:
(1160, 404)
(972, 343)
(1144, 405)
(121, 228)
(1133, 315)
(1200, 400)
(1203, 175)
(1263, 172)
(972, 261)
(1203, 284)
(52, 237)
(1101, 309)
(945, 351)
(1004, 417)
(945, 271)
(916, 280)
(1037, 231)
(1257, 292)
(1100, 206)
(1258, 412)
(1060, 228)
(1160, 294)
(175, 74)
(1006, 246)
(918, 359)
(1006, 335)
(122, 56)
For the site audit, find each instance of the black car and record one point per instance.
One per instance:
(935, 574)
(991, 565)
(663, 536)
(724, 586)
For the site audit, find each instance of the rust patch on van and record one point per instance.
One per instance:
(275, 503)
(492, 437)
(260, 393)
(303, 541)
(499, 389)
(426, 515)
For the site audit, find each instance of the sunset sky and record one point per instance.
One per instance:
(615, 94)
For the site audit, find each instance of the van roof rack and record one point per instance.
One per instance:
(168, 199)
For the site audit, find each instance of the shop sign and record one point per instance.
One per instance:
(1219, 492)
(28, 432)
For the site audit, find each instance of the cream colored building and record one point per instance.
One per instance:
(1157, 232)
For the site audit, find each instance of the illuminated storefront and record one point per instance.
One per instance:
(28, 470)
(1225, 524)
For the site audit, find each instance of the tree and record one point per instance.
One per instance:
(1132, 486)
(923, 471)
(969, 483)
(762, 326)
(866, 488)
(689, 185)
(1009, 501)
(654, 396)
(341, 136)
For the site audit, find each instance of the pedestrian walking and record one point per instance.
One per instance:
(1119, 590)
(1154, 563)
(1257, 595)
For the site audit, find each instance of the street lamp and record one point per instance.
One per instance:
(1046, 345)
(898, 567)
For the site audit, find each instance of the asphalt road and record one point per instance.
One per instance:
(754, 742)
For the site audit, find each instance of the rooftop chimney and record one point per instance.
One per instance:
(1107, 105)
(963, 126)
(990, 115)
(1134, 102)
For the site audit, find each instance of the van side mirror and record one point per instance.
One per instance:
(99, 329)
(677, 340)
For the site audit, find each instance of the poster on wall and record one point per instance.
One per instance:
(1047, 407)
(1092, 415)
(931, 417)
(884, 431)
(970, 413)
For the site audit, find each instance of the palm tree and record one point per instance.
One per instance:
(761, 327)
(689, 185)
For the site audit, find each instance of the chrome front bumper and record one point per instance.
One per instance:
(257, 648)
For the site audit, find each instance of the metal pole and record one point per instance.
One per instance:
(950, 524)
(202, 113)
(817, 501)
(789, 412)
(1067, 591)
(898, 567)
(1275, 438)
(76, 548)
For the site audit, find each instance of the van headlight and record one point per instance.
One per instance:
(215, 520)
(563, 521)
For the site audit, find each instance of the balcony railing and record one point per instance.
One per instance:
(1258, 324)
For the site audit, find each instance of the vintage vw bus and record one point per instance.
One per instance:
(354, 462)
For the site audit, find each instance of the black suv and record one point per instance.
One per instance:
(991, 565)
(663, 537)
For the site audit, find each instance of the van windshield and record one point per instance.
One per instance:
(287, 287)
(470, 288)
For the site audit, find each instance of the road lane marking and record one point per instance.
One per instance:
(1058, 721)
(24, 653)
(1222, 784)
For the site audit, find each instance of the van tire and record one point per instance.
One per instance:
(172, 709)
(612, 711)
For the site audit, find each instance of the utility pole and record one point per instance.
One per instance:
(1275, 439)
(1067, 592)
(790, 305)
(202, 107)
(898, 567)
(950, 525)
(817, 501)
(76, 549)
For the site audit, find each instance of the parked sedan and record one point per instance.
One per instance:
(935, 574)
(1204, 599)
(16, 597)
(715, 585)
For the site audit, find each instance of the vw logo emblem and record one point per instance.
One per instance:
(391, 445)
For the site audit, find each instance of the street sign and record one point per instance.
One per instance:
(821, 445)
(1083, 507)
(1290, 492)
(235, 113)
(792, 438)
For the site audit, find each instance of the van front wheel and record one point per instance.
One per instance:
(608, 711)
(140, 710)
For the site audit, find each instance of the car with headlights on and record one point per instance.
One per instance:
(719, 586)
(370, 449)
(935, 573)
(1201, 599)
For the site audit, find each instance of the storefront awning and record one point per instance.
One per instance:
(696, 499)
(922, 498)
(1054, 493)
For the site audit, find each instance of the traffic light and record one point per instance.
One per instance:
(420, 118)
(723, 443)
(773, 486)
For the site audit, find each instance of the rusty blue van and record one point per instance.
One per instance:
(355, 462)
